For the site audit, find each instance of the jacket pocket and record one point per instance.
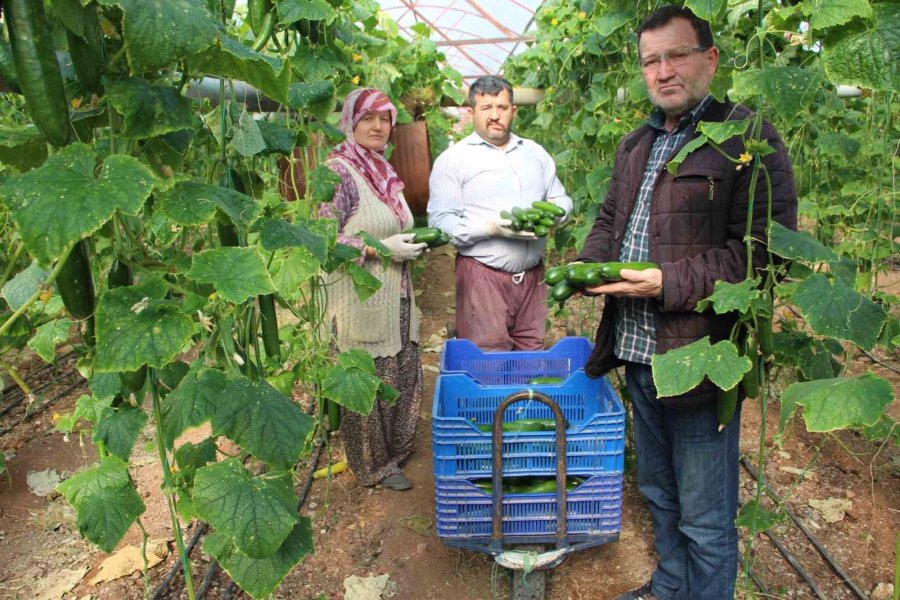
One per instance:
(369, 325)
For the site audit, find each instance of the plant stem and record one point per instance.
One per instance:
(34, 297)
(168, 486)
(14, 374)
(12, 263)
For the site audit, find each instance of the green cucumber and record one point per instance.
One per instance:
(505, 214)
(562, 291)
(545, 380)
(256, 14)
(541, 230)
(269, 325)
(766, 336)
(119, 275)
(547, 222)
(533, 214)
(554, 275)
(8, 68)
(522, 425)
(612, 271)
(87, 52)
(75, 284)
(750, 381)
(549, 208)
(726, 403)
(31, 38)
(428, 235)
(579, 273)
(519, 213)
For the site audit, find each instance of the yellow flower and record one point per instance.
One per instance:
(582, 14)
(76, 103)
(46, 294)
(554, 21)
(357, 56)
(745, 157)
(212, 296)
(56, 417)
(355, 79)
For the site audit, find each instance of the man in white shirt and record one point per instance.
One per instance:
(500, 294)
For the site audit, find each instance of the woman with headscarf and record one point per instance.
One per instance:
(370, 198)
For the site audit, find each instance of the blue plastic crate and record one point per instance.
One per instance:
(502, 368)
(595, 439)
(594, 509)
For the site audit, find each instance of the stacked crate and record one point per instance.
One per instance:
(470, 387)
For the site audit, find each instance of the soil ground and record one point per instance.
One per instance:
(373, 531)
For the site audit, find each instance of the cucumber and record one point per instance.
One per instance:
(766, 337)
(562, 291)
(554, 275)
(549, 208)
(269, 325)
(547, 222)
(8, 68)
(750, 381)
(612, 271)
(541, 230)
(75, 283)
(87, 53)
(522, 425)
(577, 273)
(726, 403)
(505, 214)
(533, 214)
(119, 275)
(545, 380)
(520, 213)
(528, 485)
(442, 240)
(515, 224)
(427, 235)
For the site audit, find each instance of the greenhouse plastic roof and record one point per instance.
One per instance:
(476, 36)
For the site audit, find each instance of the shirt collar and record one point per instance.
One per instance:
(658, 118)
(475, 140)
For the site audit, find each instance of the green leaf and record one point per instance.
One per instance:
(692, 145)
(727, 297)
(276, 234)
(23, 286)
(158, 33)
(23, 148)
(756, 518)
(787, 89)
(119, 428)
(293, 270)
(260, 577)
(105, 501)
(87, 407)
(839, 145)
(191, 203)
(682, 369)
(828, 13)
(721, 132)
(137, 326)
(324, 182)
(278, 138)
(868, 58)
(610, 22)
(192, 403)
(706, 9)
(230, 59)
(797, 245)
(290, 11)
(257, 513)
(832, 309)
(48, 336)
(236, 273)
(150, 110)
(364, 283)
(262, 421)
(62, 201)
(839, 403)
(305, 95)
(189, 456)
(352, 382)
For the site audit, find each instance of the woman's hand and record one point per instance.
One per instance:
(402, 248)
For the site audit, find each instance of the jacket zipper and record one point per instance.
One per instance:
(712, 188)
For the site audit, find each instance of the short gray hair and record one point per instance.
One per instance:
(490, 85)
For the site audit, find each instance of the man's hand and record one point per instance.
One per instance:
(501, 228)
(634, 284)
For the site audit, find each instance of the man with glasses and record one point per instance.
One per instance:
(692, 224)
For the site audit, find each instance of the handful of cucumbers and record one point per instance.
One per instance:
(566, 279)
(539, 218)
(432, 236)
(528, 485)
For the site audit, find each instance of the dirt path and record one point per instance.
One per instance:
(365, 531)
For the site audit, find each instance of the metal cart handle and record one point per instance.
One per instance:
(497, 466)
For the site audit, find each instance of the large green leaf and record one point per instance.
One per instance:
(697, 142)
(832, 309)
(23, 286)
(47, 336)
(63, 201)
(352, 382)
(150, 110)
(263, 421)
(136, 325)
(159, 33)
(230, 59)
(867, 58)
(276, 234)
(722, 131)
(839, 403)
(682, 369)
(236, 273)
(754, 516)
(257, 513)
(290, 11)
(105, 501)
(293, 270)
(192, 403)
(23, 148)
(727, 297)
(798, 245)
(191, 203)
(828, 13)
(364, 283)
(787, 89)
(119, 428)
(706, 9)
(304, 95)
(260, 577)
(278, 137)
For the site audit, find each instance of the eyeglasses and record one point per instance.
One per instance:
(675, 57)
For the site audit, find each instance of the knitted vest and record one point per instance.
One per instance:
(373, 325)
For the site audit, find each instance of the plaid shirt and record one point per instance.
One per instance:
(636, 318)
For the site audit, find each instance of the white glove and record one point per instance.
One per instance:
(402, 248)
(501, 228)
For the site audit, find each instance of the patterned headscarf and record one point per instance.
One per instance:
(374, 168)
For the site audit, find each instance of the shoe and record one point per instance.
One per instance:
(645, 592)
(397, 481)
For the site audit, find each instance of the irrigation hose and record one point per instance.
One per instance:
(176, 568)
(845, 579)
(756, 580)
(40, 408)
